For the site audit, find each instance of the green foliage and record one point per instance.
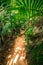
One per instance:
(28, 8)
(36, 55)
(34, 38)
(4, 2)
(16, 11)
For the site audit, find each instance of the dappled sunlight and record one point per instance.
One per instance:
(18, 57)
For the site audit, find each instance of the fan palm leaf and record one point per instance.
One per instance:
(28, 8)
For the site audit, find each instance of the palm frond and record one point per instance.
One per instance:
(29, 7)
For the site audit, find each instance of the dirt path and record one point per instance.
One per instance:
(19, 52)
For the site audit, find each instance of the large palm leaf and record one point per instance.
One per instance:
(28, 8)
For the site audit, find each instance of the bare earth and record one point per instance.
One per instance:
(18, 56)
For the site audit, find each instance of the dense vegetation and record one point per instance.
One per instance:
(17, 15)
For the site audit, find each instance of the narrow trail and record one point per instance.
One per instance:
(18, 56)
